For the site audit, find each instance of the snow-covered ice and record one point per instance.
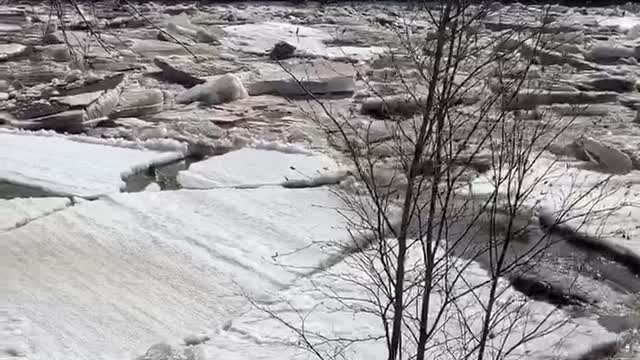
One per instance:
(257, 335)
(19, 211)
(260, 38)
(14, 335)
(249, 167)
(100, 274)
(67, 166)
(131, 269)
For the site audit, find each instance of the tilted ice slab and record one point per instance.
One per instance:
(71, 165)
(591, 201)
(249, 167)
(17, 212)
(312, 304)
(131, 269)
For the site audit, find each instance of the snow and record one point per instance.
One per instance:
(19, 211)
(153, 187)
(221, 89)
(250, 167)
(289, 148)
(129, 270)
(256, 335)
(14, 330)
(65, 166)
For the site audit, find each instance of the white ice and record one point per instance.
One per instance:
(249, 167)
(66, 166)
(106, 279)
(17, 212)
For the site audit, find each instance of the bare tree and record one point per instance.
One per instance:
(420, 221)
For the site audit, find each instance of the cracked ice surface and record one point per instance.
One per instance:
(17, 212)
(124, 271)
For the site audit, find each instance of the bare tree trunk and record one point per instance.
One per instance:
(435, 184)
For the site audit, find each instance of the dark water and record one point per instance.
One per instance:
(568, 270)
(10, 191)
(165, 176)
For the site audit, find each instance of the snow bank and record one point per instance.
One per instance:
(256, 167)
(66, 166)
(17, 212)
(130, 270)
(256, 335)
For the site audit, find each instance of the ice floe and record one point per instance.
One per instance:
(126, 271)
(64, 165)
